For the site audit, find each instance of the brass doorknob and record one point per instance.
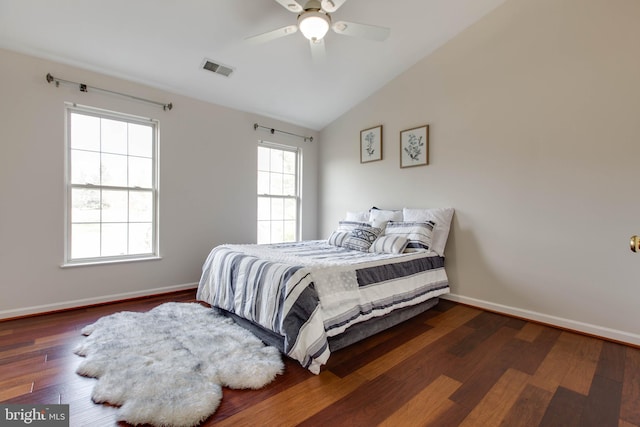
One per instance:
(635, 243)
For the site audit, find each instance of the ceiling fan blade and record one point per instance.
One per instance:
(332, 5)
(272, 35)
(291, 5)
(318, 52)
(365, 31)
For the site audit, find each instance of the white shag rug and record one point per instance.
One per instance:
(167, 366)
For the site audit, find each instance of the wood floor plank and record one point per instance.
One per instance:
(530, 332)
(565, 409)
(529, 408)
(611, 362)
(455, 317)
(630, 409)
(498, 401)
(571, 362)
(581, 362)
(426, 406)
(602, 407)
(9, 392)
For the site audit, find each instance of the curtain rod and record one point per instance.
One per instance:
(272, 130)
(85, 88)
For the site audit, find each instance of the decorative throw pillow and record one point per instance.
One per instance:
(361, 238)
(349, 226)
(419, 234)
(389, 245)
(337, 238)
(440, 216)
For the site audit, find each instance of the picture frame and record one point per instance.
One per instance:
(371, 144)
(414, 147)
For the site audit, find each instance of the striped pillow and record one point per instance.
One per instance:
(361, 238)
(389, 245)
(349, 226)
(338, 238)
(419, 234)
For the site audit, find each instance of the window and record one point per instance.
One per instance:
(112, 188)
(278, 194)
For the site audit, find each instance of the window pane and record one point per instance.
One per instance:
(263, 158)
(114, 206)
(277, 232)
(85, 167)
(289, 231)
(140, 172)
(277, 209)
(85, 132)
(85, 205)
(114, 170)
(85, 240)
(264, 208)
(289, 185)
(114, 136)
(276, 161)
(264, 232)
(289, 162)
(263, 183)
(114, 239)
(140, 140)
(290, 209)
(275, 187)
(140, 206)
(140, 238)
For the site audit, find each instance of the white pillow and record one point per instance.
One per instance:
(419, 234)
(379, 217)
(389, 245)
(441, 217)
(338, 238)
(359, 216)
(349, 226)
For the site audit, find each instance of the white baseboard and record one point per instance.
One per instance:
(587, 328)
(37, 309)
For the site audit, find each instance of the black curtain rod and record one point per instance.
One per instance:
(272, 130)
(85, 88)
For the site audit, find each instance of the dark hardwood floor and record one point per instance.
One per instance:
(454, 365)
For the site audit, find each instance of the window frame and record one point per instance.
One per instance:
(69, 261)
(298, 187)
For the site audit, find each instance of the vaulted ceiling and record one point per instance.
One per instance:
(164, 43)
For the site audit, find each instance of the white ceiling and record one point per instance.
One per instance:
(163, 43)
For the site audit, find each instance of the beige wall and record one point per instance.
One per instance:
(534, 115)
(207, 187)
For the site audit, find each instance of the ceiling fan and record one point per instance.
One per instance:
(314, 21)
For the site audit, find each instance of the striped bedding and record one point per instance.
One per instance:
(309, 291)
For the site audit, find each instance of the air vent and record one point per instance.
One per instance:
(217, 68)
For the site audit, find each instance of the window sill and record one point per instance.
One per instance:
(107, 262)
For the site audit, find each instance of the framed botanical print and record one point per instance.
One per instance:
(371, 144)
(414, 147)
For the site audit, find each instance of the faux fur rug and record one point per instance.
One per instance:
(167, 366)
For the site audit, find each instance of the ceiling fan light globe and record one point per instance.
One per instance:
(314, 25)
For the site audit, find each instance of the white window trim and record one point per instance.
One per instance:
(68, 186)
(298, 197)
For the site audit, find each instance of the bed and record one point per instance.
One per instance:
(313, 297)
